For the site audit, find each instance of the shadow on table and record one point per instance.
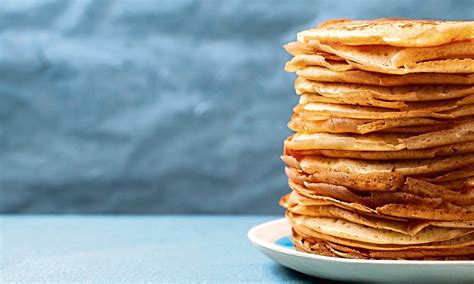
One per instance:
(295, 276)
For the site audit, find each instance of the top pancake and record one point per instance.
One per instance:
(395, 32)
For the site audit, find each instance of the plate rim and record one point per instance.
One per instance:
(258, 242)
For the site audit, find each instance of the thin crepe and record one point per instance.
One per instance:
(344, 229)
(428, 110)
(306, 124)
(322, 74)
(352, 142)
(395, 32)
(449, 58)
(320, 164)
(410, 93)
(405, 154)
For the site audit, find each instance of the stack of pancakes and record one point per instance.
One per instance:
(382, 162)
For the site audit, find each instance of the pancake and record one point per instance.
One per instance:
(448, 58)
(405, 154)
(303, 191)
(423, 188)
(414, 211)
(462, 173)
(341, 228)
(440, 105)
(315, 98)
(314, 245)
(364, 126)
(353, 142)
(328, 210)
(336, 212)
(404, 33)
(410, 93)
(458, 66)
(350, 201)
(416, 226)
(322, 74)
(307, 232)
(414, 191)
(390, 124)
(364, 112)
(361, 182)
(460, 133)
(298, 48)
(408, 227)
(293, 198)
(383, 55)
(373, 199)
(461, 111)
(318, 164)
(301, 61)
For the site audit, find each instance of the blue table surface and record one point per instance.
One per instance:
(135, 249)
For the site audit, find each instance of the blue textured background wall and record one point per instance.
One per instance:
(155, 106)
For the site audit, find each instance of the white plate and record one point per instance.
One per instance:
(272, 239)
